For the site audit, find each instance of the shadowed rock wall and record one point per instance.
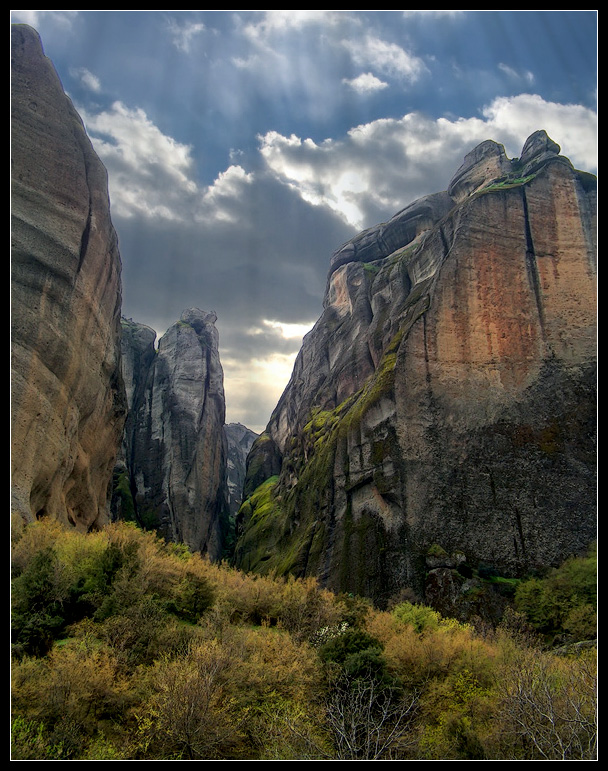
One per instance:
(174, 458)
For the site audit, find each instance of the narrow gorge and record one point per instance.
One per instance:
(440, 421)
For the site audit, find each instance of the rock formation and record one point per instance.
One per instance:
(172, 474)
(239, 441)
(440, 418)
(67, 396)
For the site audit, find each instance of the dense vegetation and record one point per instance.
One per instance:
(125, 647)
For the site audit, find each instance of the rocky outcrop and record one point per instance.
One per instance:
(239, 440)
(138, 353)
(444, 403)
(173, 471)
(67, 396)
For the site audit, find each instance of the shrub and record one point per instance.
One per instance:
(421, 617)
(564, 601)
(38, 596)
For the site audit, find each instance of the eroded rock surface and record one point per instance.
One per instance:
(175, 450)
(67, 396)
(445, 400)
(239, 440)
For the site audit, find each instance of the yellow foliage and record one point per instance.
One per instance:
(79, 681)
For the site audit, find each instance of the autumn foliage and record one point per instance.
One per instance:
(127, 647)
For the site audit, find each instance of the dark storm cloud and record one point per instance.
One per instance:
(269, 260)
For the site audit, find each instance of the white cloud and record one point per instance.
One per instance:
(150, 173)
(219, 199)
(365, 83)
(287, 330)
(61, 20)
(90, 81)
(182, 35)
(527, 76)
(388, 58)
(572, 126)
(273, 22)
(388, 163)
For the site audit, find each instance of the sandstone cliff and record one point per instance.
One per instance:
(440, 417)
(67, 396)
(172, 474)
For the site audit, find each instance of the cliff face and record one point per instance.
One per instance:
(441, 412)
(67, 396)
(239, 440)
(174, 460)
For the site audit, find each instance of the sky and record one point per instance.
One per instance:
(244, 147)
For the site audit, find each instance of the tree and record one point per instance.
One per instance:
(367, 719)
(548, 708)
(188, 715)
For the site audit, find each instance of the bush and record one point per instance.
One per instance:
(421, 617)
(38, 596)
(131, 648)
(563, 602)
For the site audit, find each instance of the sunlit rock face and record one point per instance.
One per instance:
(175, 450)
(67, 398)
(444, 403)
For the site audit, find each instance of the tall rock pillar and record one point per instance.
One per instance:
(67, 396)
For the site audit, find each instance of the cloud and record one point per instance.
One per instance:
(88, 80)
(289, 331)
(60, 20)
(271, 23)
(222, 200)
(572, 126)
(365, 83)
(527, 76)
(388, 58)
(150, 174)
(381, 166)
(182, 35)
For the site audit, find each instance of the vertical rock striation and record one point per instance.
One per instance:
(67, 397)
(239, 440)
(444, 403)
(174, 451)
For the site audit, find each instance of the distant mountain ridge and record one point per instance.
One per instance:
(441, 413)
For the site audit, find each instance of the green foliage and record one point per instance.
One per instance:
(506, 183)
(30, 741)
(122, 490)
(194, 595)
(421, 617)
(564, 601)
(351, 643)
(129, 648)
(38, 595)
